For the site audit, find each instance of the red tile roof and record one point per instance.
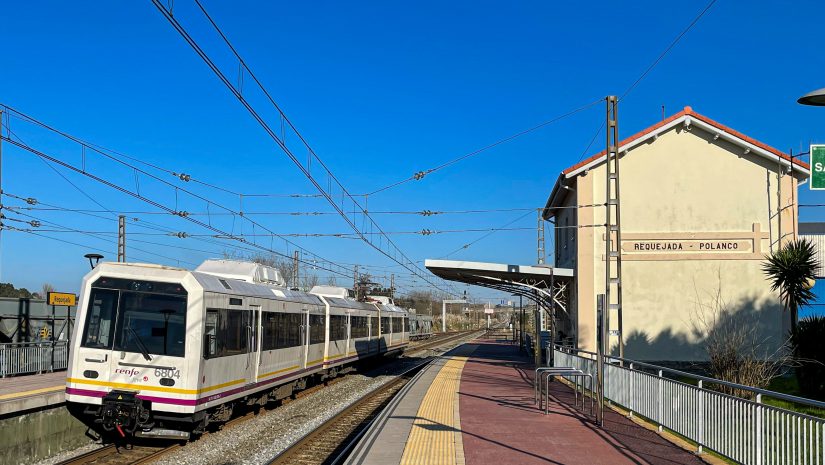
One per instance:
(689, 111)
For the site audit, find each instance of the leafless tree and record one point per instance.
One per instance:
(47, 287)
(736, 351)
(308, 281)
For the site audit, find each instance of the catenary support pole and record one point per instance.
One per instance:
(443, 317)
(121, 239)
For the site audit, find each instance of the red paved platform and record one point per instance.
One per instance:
(501, 425)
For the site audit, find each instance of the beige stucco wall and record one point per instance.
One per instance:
(684, 181)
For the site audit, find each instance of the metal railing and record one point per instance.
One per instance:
(33, 357)
(747, 431)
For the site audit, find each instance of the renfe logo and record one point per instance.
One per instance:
(127, 372)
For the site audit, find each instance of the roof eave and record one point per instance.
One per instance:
(689, 118)
(552, 201)
(557, 196)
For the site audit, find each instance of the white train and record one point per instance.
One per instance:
(163, 352)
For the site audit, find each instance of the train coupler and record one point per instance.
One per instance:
(123, 412)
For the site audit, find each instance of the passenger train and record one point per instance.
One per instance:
(163, 352)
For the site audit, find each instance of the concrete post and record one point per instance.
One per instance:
(443, 317)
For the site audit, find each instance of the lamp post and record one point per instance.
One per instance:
(93, 256)
(815, 98)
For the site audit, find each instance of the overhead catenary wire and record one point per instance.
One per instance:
(96, 235)
(32, 201)
(140, 223)
(421, 174)
(57, 239)
(182, 175)
(425, 232)
(385, 246)
(285, 213)
(647, 71)
(171, 211)
(470, 244)
(155, 203)
(668, 49)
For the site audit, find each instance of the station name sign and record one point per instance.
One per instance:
(677, 246)
(695, 245)
(61, 298)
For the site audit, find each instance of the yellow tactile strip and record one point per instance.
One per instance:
(435, 437)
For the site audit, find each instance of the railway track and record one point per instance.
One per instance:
(114, 455)
(316, 443)
(334, 438)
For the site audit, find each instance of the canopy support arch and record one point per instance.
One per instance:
(548, 287)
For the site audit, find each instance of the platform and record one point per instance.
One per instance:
(475, 406)
(21, 393)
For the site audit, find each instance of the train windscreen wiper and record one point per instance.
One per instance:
(143, 349)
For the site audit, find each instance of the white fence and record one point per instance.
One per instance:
(33, 357)
(747, 431)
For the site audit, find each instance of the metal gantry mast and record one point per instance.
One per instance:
(613, 234)
(121, 239)
(540, 233)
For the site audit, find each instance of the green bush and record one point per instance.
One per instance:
(810, 349)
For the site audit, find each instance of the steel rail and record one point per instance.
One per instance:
(111, 454)
(335, 437)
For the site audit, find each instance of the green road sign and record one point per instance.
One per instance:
(818, 167)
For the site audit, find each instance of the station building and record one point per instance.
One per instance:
(701, 206)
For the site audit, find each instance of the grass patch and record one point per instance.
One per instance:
(789, 385)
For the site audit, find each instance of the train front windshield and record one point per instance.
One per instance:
(136, 316)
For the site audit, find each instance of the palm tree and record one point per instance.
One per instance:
(791, 270)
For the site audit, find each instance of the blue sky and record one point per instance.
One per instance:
(381, 90)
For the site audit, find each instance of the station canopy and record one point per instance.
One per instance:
(542, 283)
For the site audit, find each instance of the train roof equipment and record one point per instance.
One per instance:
(237, 270)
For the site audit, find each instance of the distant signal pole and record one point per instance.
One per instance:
(121, 239)
(295, 275)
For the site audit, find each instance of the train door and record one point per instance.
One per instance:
(304, 337)
(253, 356)
(373, 340)
(349, 334)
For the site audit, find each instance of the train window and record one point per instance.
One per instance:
(269, 326)
(210, 340)
(295, 327)
(337, 327)
(374, 326)
(100, 319)
(385, 325)
(359, 327)
(316, 329)
(151, 323)
(236, 331)
(281, 330)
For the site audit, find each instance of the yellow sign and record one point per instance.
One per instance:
(62, 298)
(44, 332)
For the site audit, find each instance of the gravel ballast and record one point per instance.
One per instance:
(260, 438)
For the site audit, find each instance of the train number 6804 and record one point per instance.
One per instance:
(167, 373)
